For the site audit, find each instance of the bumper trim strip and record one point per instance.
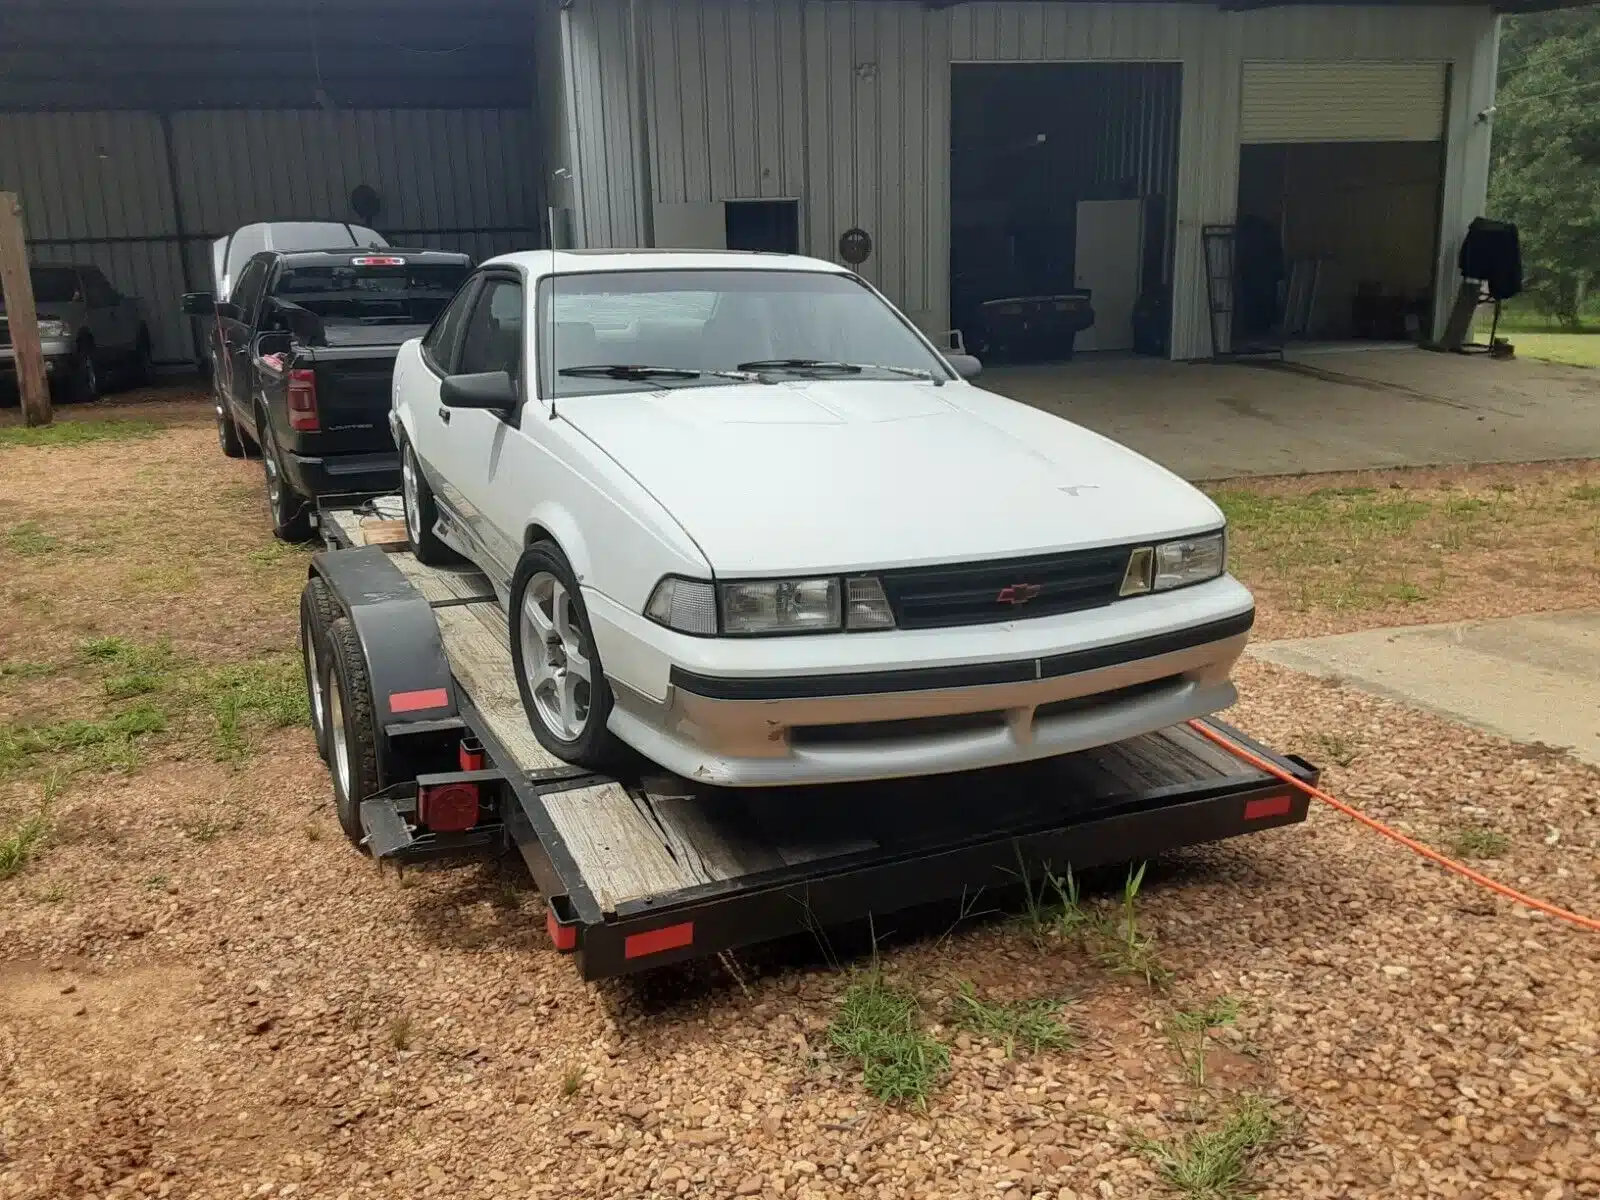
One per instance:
(918, 679)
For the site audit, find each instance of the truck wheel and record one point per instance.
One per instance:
(290, 511)
(228, 435)
(83, 379)
(352, 735)
(139, 364)
(318, 611)
(421, 512)
(563, 688)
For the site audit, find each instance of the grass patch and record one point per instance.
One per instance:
(106, 649)
(1214, 1164)
(275, 552)
(1572, 349)
(17, 847)
(1190, 1028)
(1035, 1024)
(400, 1032)
(28, 539)
(1110, 934)
(1335, 748)
(1474, 841)
(571, 1082)
(76, 433)
(880, 1026)
(1585, 493)
(108, 742)
(168, 579)
(269, 692)
(26, 670)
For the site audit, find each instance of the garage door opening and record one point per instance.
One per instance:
(1062, 191)
(1340, 182)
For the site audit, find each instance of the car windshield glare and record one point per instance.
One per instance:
(724, 326)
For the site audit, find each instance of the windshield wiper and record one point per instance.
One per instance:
(640, 372)
(843, 368)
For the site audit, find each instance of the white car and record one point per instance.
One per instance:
(746, 519)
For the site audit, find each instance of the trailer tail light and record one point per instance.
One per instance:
(303, 400)
(670, 937)
(1267, 806)
(448, 807)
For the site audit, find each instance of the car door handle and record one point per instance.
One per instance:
(444, 415)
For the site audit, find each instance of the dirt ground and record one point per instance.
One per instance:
(205, 992)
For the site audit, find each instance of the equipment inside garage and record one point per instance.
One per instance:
(1062, 182)
(1340, 171)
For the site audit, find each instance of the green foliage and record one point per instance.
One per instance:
(1036, 1024)
(18, 845)
(880, 1027)
(1546, 173)
(271, 690)
(74, 433)
(27, 538)
(1213, 1164)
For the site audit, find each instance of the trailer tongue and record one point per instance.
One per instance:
(651, 869)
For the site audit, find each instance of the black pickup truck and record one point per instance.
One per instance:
(302, 354)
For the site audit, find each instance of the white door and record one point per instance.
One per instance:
(1108, 260)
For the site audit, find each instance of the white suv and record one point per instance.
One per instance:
(745, 518)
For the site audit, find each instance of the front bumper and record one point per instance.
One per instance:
(809, 728)
(58, 355)
(333, 474)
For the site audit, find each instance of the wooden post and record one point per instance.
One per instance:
(21, 315)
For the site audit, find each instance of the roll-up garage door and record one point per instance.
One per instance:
(1343, 102)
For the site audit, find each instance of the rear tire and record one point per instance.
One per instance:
(228, 435)
(83, 384)
(422, 512)
(290, 511)
(559, 674)
(352, 734)
(318, 612)
(139, 364)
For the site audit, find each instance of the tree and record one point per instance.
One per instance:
(1546, 173)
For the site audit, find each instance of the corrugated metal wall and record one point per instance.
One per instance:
(97, 187)
(875, 86)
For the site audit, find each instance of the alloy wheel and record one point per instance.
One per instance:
(337, 741)
(560, 673)
(409, 492)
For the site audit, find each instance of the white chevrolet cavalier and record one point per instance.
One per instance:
(746, 519)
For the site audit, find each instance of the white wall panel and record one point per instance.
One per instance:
(597, 47)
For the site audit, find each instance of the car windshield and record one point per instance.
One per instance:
(54, 285)
(346, 293)
(688, 328)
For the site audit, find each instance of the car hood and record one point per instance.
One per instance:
(850, 475)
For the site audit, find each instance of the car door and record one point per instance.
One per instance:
(491, 340)
(236, 320)
(417, 394)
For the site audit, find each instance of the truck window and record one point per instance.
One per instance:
(54, 285)
(352, 294)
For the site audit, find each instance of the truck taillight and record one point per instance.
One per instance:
(303, 400)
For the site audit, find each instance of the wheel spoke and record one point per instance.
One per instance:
(567, 689)
(561, 614)
(578, 665)
(536, 619)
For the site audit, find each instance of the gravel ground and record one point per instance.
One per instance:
(245, 1007)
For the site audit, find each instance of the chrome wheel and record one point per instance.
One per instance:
(269, 463)
(319, 702)
(560, 674)
(222, 430)
(337, 741)
(408, 492)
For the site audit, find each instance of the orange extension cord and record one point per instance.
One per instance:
(1261, 764)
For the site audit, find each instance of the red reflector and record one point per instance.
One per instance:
(471, 758)
(401, 702)
(673, 937)
(449, 807)
(1267, 806)
(562, 937)
(303, 400)
(371, 260)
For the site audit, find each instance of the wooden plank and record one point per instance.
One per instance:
(617, 847)
(1190, 742)
(376, 531)
(443, 583)
(17, 287)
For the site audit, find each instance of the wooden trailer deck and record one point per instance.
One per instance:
(663, 834)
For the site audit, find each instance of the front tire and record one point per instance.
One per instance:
(422, 512)
(290, 511)
(559, 674)
(352, 734)
(83, 384)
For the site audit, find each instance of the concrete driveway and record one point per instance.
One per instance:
(1337, 410)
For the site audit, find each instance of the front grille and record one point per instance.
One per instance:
(980, 593)
(5, 333)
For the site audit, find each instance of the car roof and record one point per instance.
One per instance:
(539, 263)
(340, 257)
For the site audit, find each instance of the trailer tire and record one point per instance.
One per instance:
(421, 512)
(318, 611)
(352, 731)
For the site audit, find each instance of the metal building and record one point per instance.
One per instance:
(1359, 133)
(137, 131)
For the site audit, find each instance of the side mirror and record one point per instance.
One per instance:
(199, 304)
(490, 389)
(966, 365)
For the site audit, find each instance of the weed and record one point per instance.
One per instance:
(107, 649)
(208, 823)
(313, 833)
(400, 1032)
(275, 552)
(26, 670)
(1214, 1164)
(109, 742)
(18, 846)
(53, 893)
(1587, 492)
(130, 684)
(1336, 748)
(165, 579)
(271, 690)
(1072, 917)
(28, 538)
(572, 1081)
(155, 882)
(1474, 841)
(74, 433)
(1121, 944)
(1188, 1029)
(880, 1027)
(1036, 1024)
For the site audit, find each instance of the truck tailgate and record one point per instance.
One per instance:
(352, 398)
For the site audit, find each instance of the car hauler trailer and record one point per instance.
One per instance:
(418, 714)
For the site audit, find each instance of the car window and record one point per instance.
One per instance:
(439, 344)
(96, 290)
(54, 285)
(492, 339)
(249, 286)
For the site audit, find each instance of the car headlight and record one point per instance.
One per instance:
(751, 608)
(1169, 565)
(54, 329)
